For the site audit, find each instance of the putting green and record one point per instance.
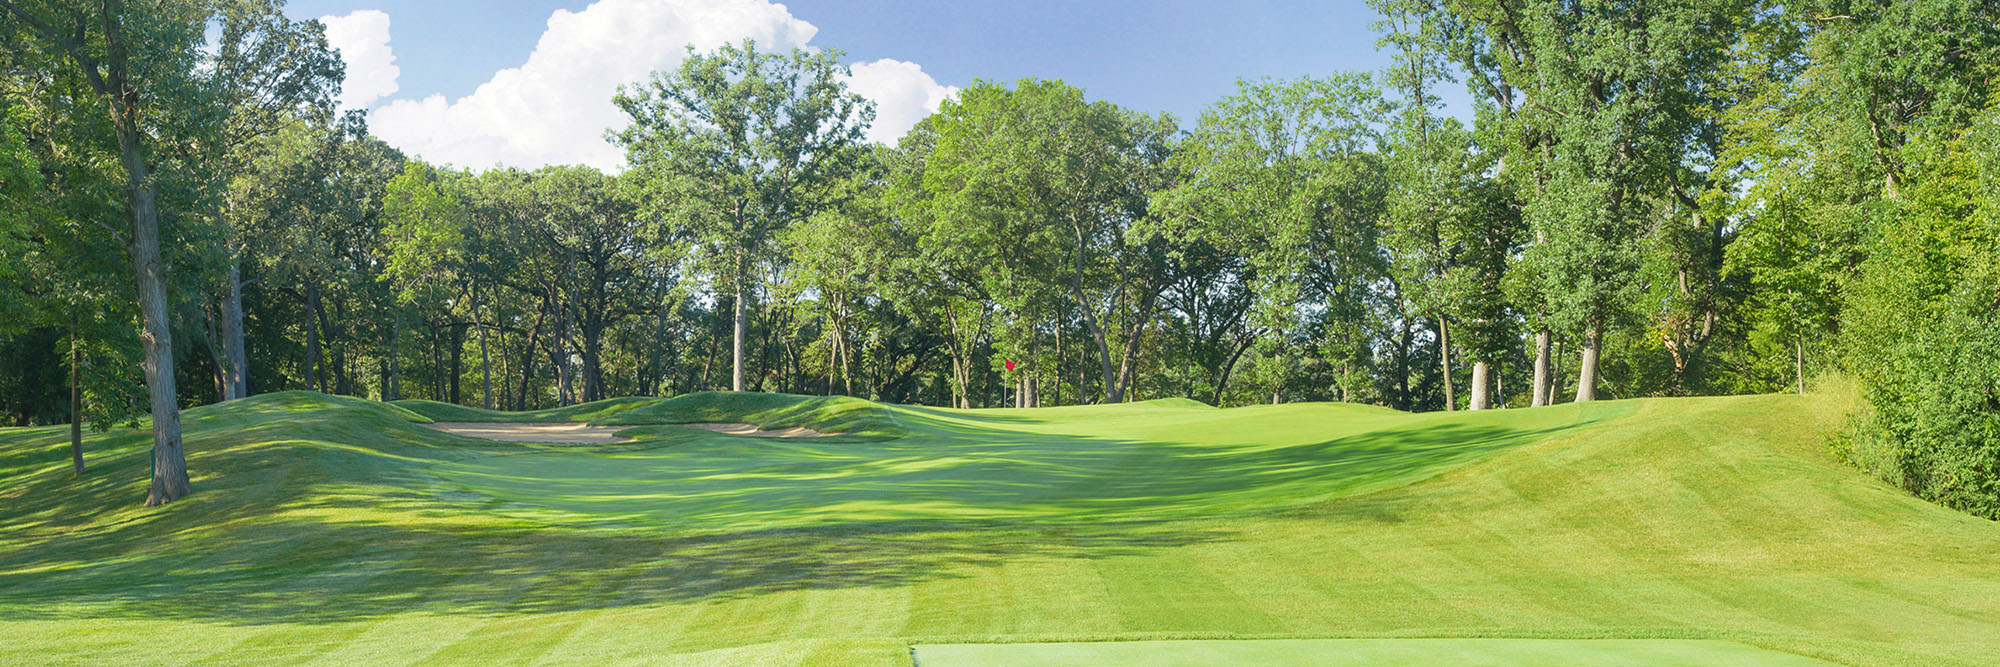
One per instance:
(341, 531)
(1305, 652)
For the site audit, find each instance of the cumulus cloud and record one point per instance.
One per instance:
(903, 95)
(362, 37)
(556, 107)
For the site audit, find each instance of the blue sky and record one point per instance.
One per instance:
(1172, 56)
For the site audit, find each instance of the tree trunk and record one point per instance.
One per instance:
(1480, 389)
(232, 333)
(1799, 361)
(75, 398)
(846, 374)
(485, 356)
(528, 361)
(395, 354)
(212, 333)
(336, 344)
(457, 359)
(170, 476)
(1586, 376)
(1404, 341)
(1107, 377)
(1128, 366)
(235, 367)
(1444, 363)
(593, 362)
(1229, 367)
(315, 376)
(1544, 385)
(739, 322)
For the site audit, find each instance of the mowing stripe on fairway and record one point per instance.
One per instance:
(1596, 652)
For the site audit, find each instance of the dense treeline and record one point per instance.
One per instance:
(1652, 199)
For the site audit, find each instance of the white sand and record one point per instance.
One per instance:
(752, 430)
(514, 432)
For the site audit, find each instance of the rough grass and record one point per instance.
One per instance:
(339, 530)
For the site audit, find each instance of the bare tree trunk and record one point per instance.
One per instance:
(1480, 389)
(1586, 376)
(1444, 362)
(75, 397)
(1544, 385)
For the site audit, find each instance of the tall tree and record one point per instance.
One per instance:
(1604, 103)
(1287, 175)
(1036, 190)
(145, 66)
(739, 144)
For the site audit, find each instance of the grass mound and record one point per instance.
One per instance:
(582, 412)
(339, 530)
(826, 414)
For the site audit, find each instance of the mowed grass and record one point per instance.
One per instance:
(1316, 652)
(336, 530)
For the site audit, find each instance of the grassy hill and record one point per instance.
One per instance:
(341, 530)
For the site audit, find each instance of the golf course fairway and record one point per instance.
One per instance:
(333, 530)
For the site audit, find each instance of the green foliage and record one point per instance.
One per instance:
(1026, 200)
(1923, 324)
(425, 228)
(736, 145)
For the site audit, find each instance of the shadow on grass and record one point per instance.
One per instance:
(295, 571)
(310, 509)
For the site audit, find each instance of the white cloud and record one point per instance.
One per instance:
(903, 95)
(362, 37)
(556, 107)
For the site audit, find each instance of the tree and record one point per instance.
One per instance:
(1607, 108)
(738, 145)
(1286, 175)
(143, 65)
(594, 219)
(1033, 191)
(259, 100)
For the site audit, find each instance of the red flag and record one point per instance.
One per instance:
(1010, 365)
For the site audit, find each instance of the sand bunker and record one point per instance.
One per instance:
(752, 430)
(513, 432)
